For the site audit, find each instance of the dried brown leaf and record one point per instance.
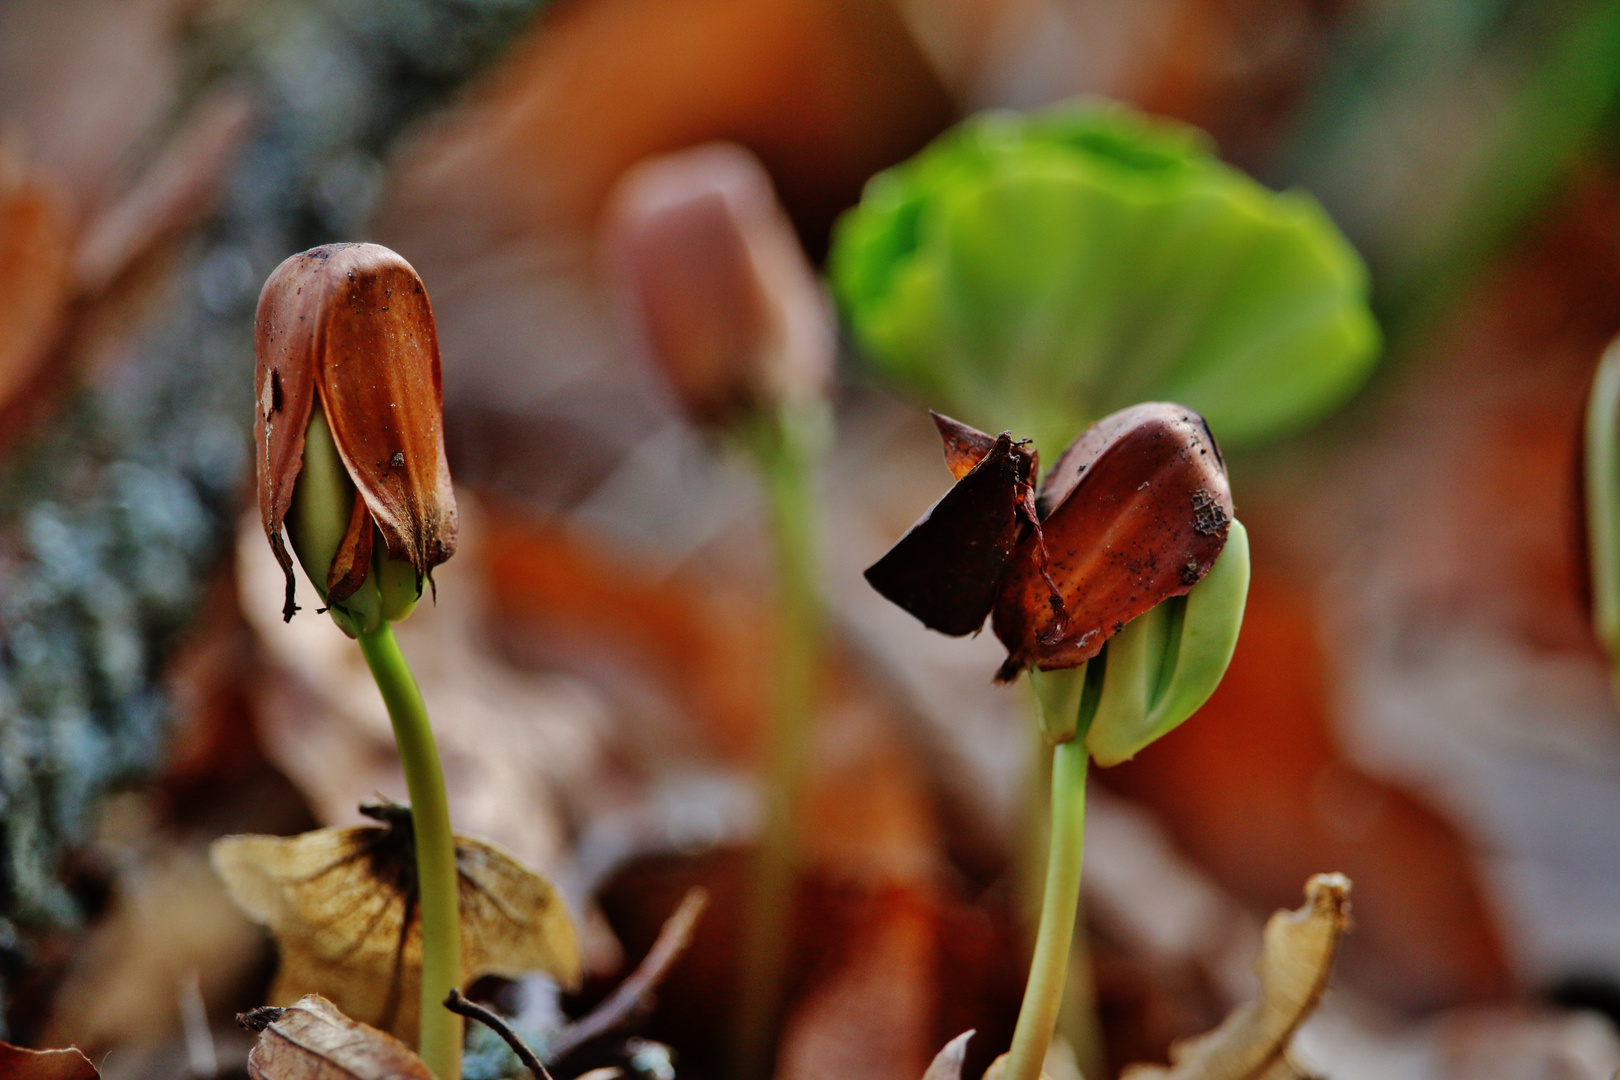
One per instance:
(342, 906)
(174, 192)
(312, 1040)
(1252, 1043)
(947, 1064)
(17, 1063)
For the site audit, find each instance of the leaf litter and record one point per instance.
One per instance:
(341, 904)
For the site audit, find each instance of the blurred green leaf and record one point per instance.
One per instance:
(1035, 272)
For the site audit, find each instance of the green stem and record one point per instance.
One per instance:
(786, 452)
(439, 1042)
(1043, 994)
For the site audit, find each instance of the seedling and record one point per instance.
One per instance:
(1033, 272)
(1119, 583)
(713, 275)
(350, 438)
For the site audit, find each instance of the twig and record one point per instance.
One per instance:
(633, 993)
(461, 1006)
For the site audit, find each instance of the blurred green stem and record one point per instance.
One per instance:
(1048, 969)
(786, 452)
(440, 1040)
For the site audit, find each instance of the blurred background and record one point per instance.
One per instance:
(1416, 698)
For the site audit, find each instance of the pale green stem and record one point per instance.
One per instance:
(440, 1040)
(1048, 968)
(786, 453)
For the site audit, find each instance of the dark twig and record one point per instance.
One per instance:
(458, 1004)
(632, 994)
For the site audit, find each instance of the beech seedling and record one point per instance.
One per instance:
(726, 305)
(349, 431)
(1118, 581)
(1136, 513)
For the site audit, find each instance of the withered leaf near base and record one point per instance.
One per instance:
(19, 1063)
(1252, 1043)
(947, 1064)
(312, 1040)
(351, 325)
(1134, 512)
(342, 904)
(944, 570)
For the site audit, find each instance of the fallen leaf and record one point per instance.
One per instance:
(34, 279)
(947, 1064)
(871, 1018)
(17, 1063)
(312, 1040)
(167, 919)
(1296, 959)
(172, 194)
(342, 906)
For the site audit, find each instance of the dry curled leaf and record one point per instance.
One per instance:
(1252, 1043)
(947, 1064)
(312, 1040)
(17, 1063)
(342, 906)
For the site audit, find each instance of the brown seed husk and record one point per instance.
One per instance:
(351, 323)
(965, 446)
(342, 906)
(712, 272)
(945, 569)
(1134, 512)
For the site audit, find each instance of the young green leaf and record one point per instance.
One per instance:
(1163, 666)
(1038, 271)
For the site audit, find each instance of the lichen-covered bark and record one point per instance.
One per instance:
(113, 519)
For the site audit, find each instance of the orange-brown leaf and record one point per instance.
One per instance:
(352, 562)
(34, 285)
(17, 1063)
